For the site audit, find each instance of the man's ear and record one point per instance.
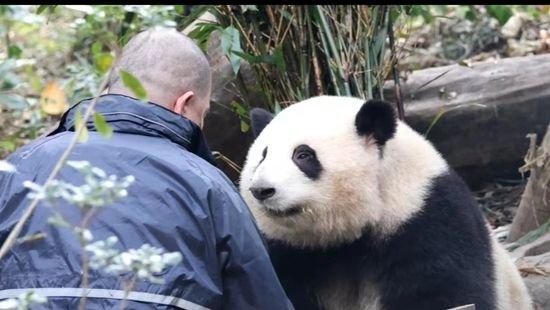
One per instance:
(259, 119)
(376, 118)
(182, 102)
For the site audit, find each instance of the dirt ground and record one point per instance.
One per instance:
(499, 200)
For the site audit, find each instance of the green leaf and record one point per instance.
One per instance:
(180, 9)
(7, 145)
(253, 59)
(239, 109)
(471, 13)
(421, 10)
(79, 122)
(14, 51)
(103, 62)
(96, 48)
(13, 101)
(202, 33)
(231, 42)
(278, 58)
(244, 126)
(501, 12)
(133, 84)
(42, 8)
(101, 125)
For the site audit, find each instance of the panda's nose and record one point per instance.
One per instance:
(262, 193)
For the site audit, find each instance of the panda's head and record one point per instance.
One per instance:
(311, 178)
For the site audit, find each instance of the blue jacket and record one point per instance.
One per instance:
(179, 202)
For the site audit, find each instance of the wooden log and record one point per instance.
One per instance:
(485, 111)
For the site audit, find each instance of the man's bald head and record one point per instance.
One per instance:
(168, 64)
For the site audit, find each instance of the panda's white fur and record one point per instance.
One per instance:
(511, 292)
(358, 188)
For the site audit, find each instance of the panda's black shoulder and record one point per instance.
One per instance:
(449, 215)
(450, 195)
(446, 246)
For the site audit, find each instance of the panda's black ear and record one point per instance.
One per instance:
(259, 119)
(376, 118)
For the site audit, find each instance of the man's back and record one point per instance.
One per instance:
(179, 202)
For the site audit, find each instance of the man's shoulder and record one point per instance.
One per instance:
(126, 154)
(50, 144)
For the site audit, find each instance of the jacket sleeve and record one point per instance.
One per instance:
(249, 280)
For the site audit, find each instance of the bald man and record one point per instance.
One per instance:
(179, 201)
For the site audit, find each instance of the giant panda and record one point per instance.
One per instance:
(361, 212)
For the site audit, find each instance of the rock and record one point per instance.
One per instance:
(533, 261)
(539, 286)
(512, 27)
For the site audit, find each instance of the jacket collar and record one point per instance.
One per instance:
(129, 115)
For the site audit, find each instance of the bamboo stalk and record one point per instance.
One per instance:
(315, 60)
(395, 72)
(333, 49)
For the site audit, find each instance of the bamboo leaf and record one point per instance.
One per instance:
(14, 51)
(180, 9)
(501, 12)
(244, 126)
(79, 123)
(7, 145)
(133, 84)
(96, 48)
(103, 62)
(42, 8)
(202, 34)
(101, 125)
(278, 58)
(231, 43)
(435, 120)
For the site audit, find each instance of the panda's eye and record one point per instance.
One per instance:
(304, 155)
(305, 158)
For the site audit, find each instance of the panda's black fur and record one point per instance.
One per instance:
(440, 259)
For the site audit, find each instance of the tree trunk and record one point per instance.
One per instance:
(534, 208)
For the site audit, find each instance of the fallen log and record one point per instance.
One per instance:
(478, 116)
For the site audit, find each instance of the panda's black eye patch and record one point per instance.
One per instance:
(306, 160)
